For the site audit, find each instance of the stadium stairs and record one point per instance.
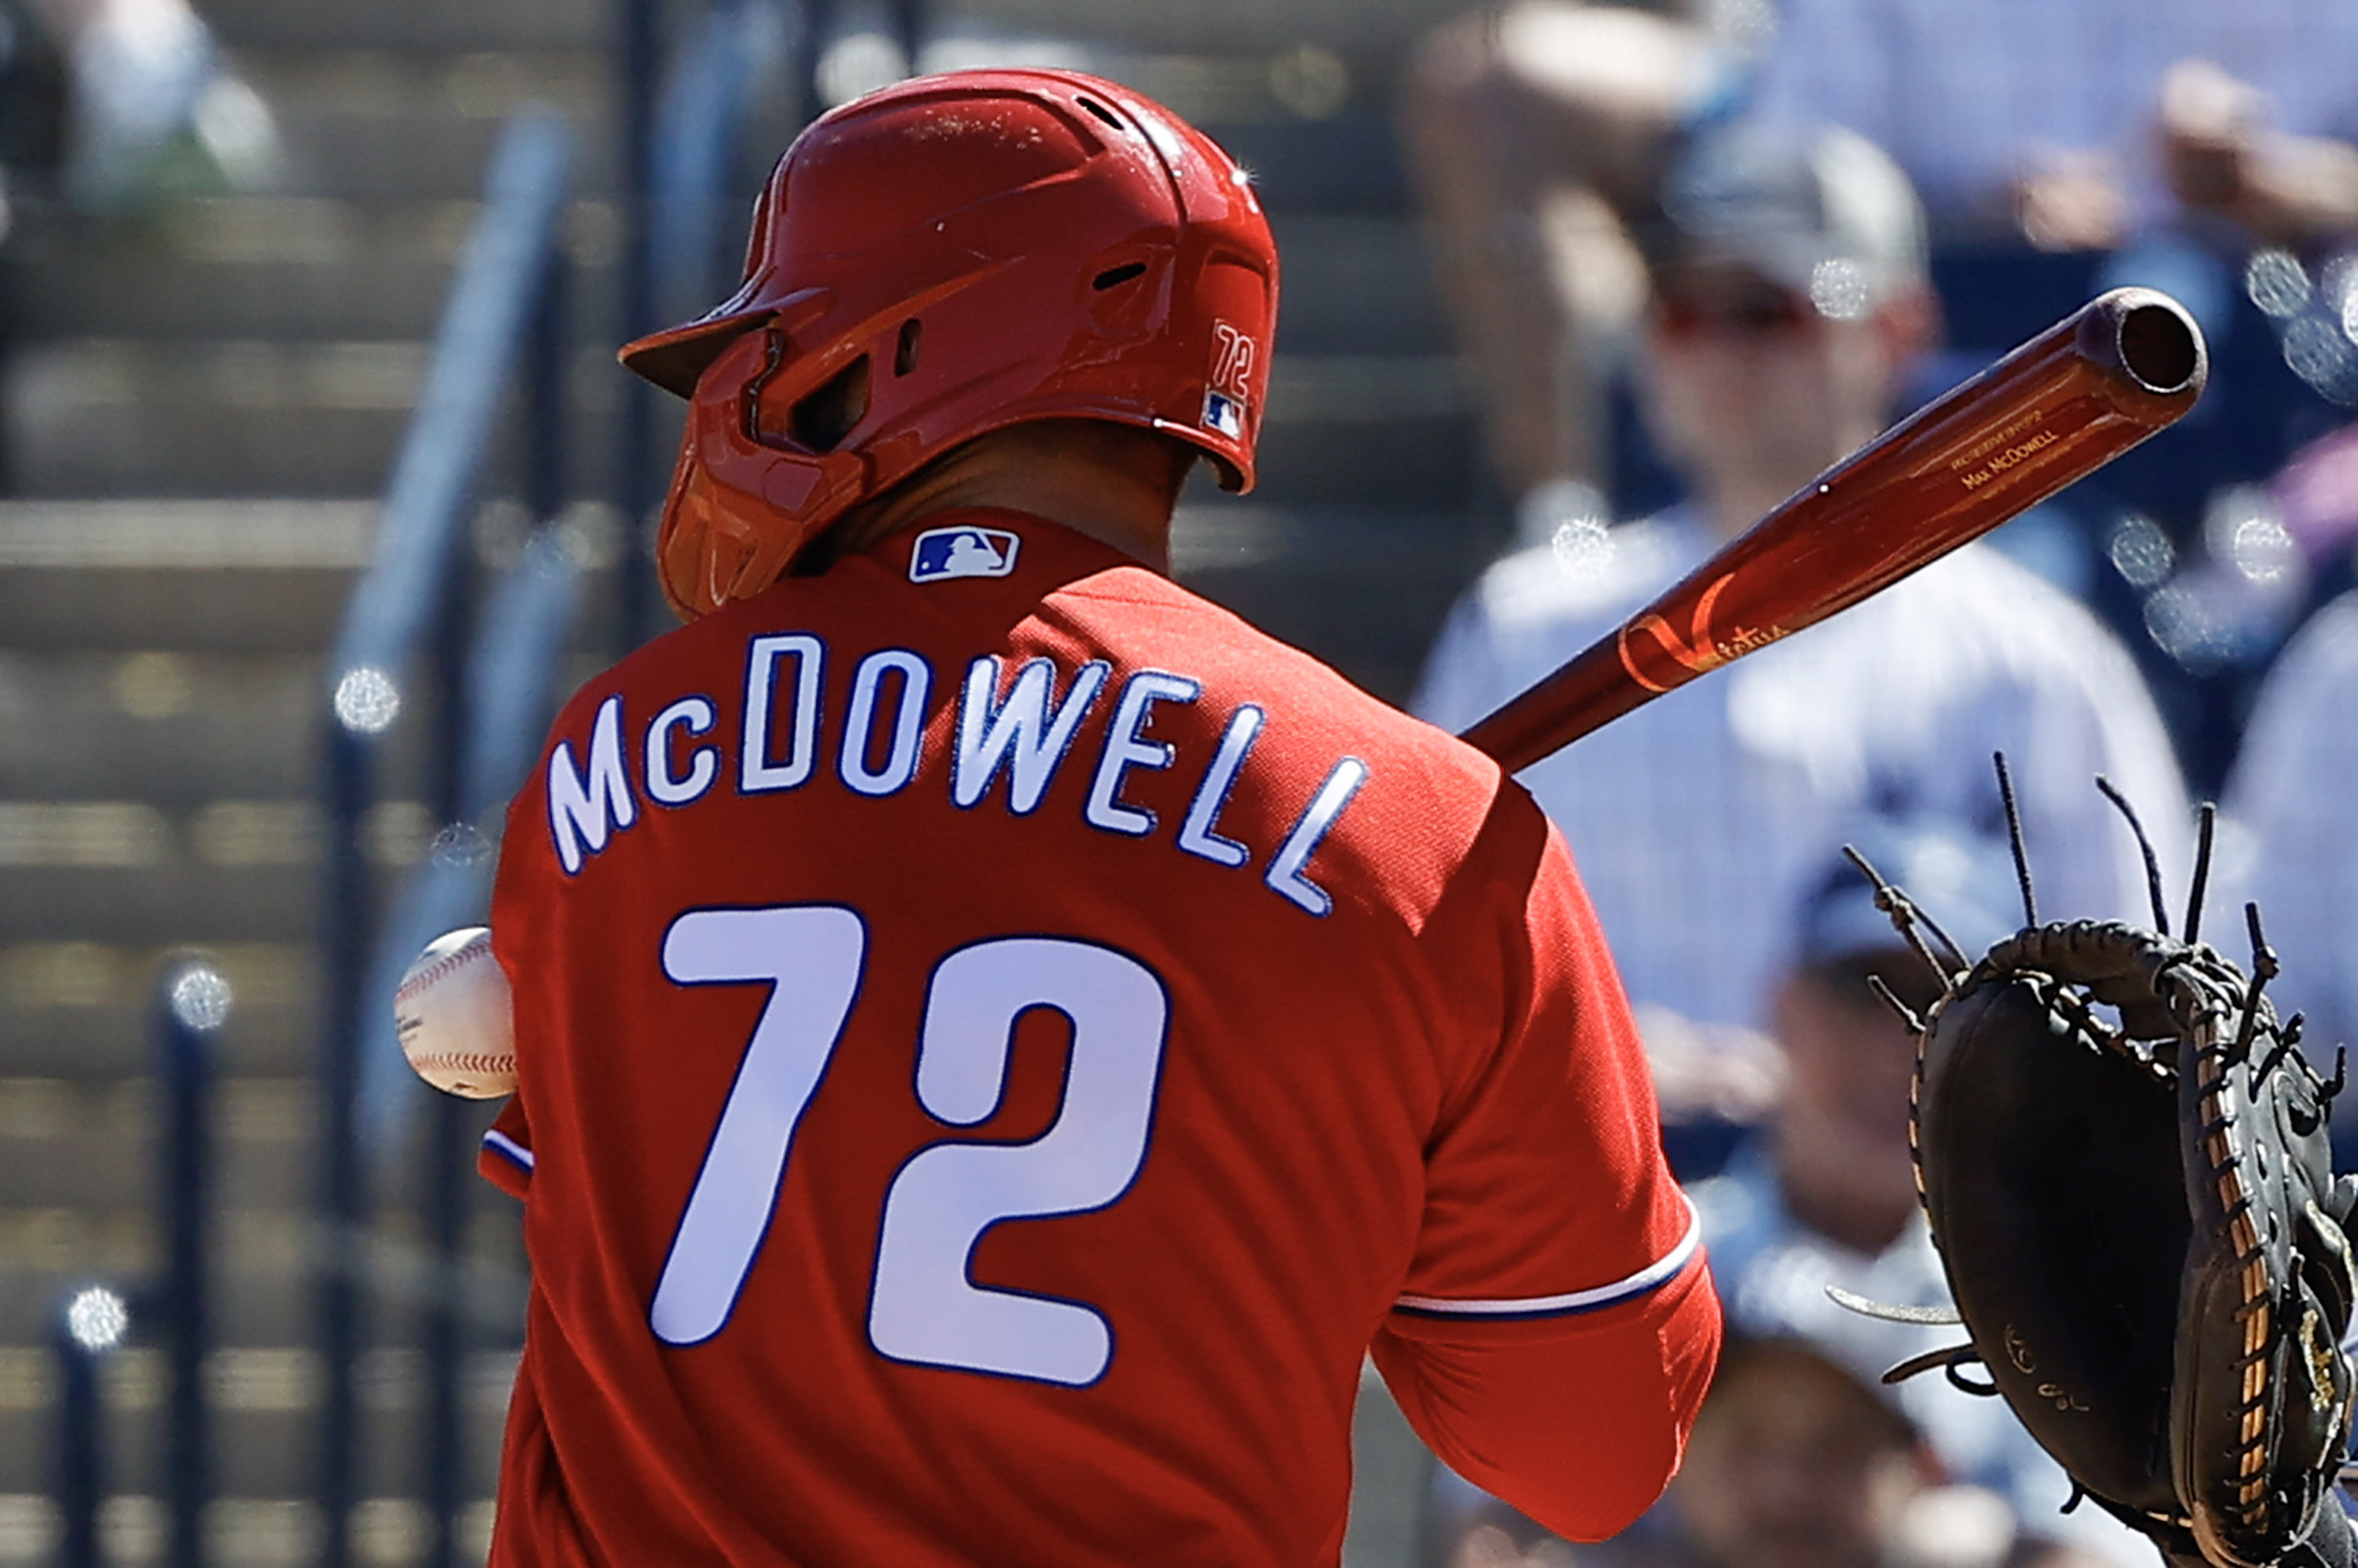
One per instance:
(200, 408)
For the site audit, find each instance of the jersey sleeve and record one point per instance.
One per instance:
(1547, 1194)
(1579, 1422)
(1558, 1326)
(505, 1159)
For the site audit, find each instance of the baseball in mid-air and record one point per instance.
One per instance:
(453, 1015)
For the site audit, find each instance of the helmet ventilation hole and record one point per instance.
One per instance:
(822, 419)
(904, 352)
(1114, 276)
(1102, 112)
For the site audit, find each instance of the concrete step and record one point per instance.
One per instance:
(168, 899)
(114, 416)
(262, 269)
(189, 729)
(264, 1403)
(265, 1272)
(229, 578)
(78, 1143)
(443, 26)
(407, 148)
(1356, 286)
(1349, 164)
(83, 1013)
(1213, 26)
(267, 268)
(1367, 431)
(249, 1532)
(378, 124)
(249, 417)
(78, 1189)
(471, 83)
(264, 611)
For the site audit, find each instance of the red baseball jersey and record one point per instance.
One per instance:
(998, 1036)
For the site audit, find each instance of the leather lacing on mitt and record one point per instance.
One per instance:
(2123, 1159)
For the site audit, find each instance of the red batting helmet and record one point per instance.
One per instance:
(945, 258)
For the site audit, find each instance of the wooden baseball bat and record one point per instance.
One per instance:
(2060, 406)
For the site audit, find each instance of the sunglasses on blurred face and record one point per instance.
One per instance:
(1750, 310)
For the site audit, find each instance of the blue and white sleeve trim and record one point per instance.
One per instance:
(507, 1148)
(1572, 1303)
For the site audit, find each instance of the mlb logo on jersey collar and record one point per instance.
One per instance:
(939, 554)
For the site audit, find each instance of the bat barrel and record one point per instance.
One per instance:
(2125, 366)
(2151, 339)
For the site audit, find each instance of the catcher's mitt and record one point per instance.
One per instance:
(2140, 1222)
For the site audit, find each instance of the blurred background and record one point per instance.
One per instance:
(319, 488)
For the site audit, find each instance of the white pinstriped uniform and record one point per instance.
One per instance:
(2299, 855)
(1699, 821)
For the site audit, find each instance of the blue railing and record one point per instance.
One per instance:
(89, 1325)
(405, 647)
(173, 1308)
(681, 140)
(466, 697)
(678, 163)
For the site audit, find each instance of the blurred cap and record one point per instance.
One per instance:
(1964, 880)
(1778, 1355)
(1825, 213)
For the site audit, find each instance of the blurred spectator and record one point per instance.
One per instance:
(2201, 148)
(1797, 1461)
(1826, 1196)
(1537, 132)
(1789, 305)
(2214, 602)
(2315, 498)
(1794, 1463)
(2294, 850)
(151, 108)
(2078, 125)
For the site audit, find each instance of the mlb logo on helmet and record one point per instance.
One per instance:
(1224, 414)
(939, 554)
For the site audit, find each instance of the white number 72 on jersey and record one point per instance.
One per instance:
(923, 1305)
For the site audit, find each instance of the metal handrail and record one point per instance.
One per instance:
(694, 214)
(402, 616)
(680, 138)
(88, 1328)
(484, 328)
(193, 1005)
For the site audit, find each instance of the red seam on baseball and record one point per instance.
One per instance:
(476, 947)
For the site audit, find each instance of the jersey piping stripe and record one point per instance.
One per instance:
(1595, 1299)
(507, 1148)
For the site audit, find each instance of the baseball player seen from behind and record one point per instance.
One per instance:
(999, 1039)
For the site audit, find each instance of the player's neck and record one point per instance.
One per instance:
(1116, 491)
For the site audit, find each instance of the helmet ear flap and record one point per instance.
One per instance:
(742, 496)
